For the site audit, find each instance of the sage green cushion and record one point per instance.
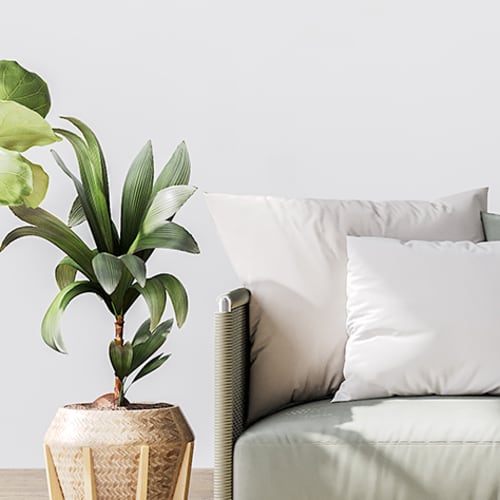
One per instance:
(431, 448)
(491, 226)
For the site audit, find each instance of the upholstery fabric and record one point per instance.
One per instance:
(422, 318)
(291, 255)
(428, 448)
(491, 224)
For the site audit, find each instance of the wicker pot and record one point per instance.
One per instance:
(121, 454)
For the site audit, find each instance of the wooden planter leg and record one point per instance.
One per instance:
(88, 475)
(55, 492)
(142, 479)
(182, 488)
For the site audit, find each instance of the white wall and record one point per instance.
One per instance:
(370, 99)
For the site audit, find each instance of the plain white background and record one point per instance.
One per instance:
(333, 99)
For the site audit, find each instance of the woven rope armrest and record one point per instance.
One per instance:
(231, 382)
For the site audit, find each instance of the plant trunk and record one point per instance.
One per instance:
(118, 393)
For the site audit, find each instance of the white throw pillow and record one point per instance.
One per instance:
(291, 255)
(422, 318)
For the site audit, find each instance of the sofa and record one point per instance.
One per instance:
(431, 446)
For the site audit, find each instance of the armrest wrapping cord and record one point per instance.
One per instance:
(231, 383)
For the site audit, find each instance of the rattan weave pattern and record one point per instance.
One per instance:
(115, 438)
(231, 381)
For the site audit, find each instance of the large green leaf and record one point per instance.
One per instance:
(151, 366)
(23, 86)
(54, 230)
(21, 182)
(16, 178)
(144, 350)
(165, 204)
(170, 235)
(155, 298)
(121, 358)
(136, 195)
(40, 186)
(21, 232)
(108, 269)
(66, 272)
(21, 128)
(178, 296)
(92, 194)
(51, 324)
(176, 172)
(136, 267)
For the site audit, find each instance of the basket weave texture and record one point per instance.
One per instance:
(115, 437)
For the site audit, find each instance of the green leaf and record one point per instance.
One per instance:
(66, 272)
(143, 333)
(82, 195)
(21, 182)
(151, 366)
(164, 206)
(40, 186)
(21, 128)
(65, 169)
(136, 195)
(144, 350)
(54, 230)
(136, 266)
(176, 172)
(178, 296)
(155, 298)
(108, 270)
(16, 178)
(121, 358)
(92, 195)
(130, 296)
(51, 324)
(76, 214)
(95, 152)
(27, 88)
(170, 235)
(164, 328)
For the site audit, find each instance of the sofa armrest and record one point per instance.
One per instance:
(231, 384)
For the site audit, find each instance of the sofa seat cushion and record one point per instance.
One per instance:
(381, 449)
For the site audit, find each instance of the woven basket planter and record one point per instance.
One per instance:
(121, 454)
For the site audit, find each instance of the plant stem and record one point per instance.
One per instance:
(118, 393)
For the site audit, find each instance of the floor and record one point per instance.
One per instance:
(29, 484)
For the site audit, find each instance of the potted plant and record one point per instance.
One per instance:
(111, 448)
